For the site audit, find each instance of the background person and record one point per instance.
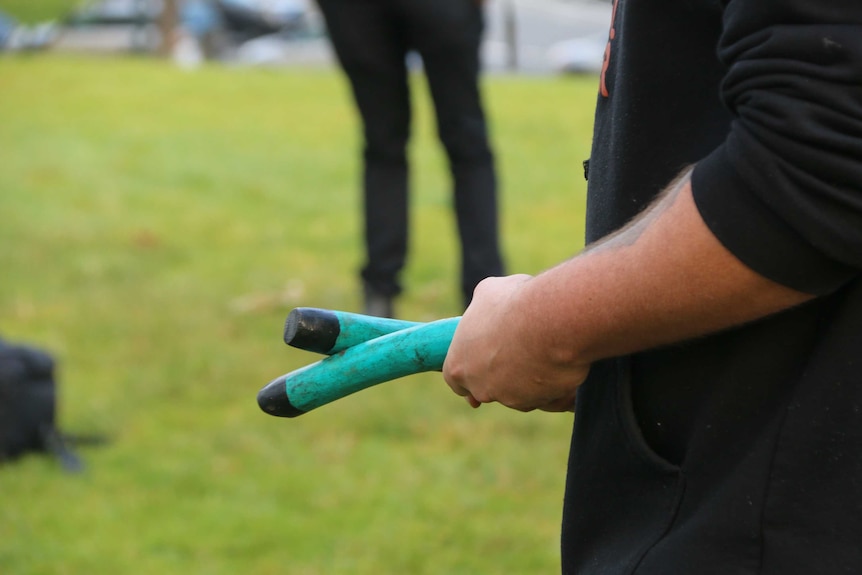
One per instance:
(371, 39)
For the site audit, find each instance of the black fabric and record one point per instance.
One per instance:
(794, 85)
(737, 453)
(372, 39)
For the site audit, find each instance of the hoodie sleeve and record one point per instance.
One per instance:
(784, 190)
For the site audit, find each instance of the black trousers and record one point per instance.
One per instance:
(371, 39)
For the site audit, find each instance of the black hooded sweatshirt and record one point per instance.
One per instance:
(739, 452)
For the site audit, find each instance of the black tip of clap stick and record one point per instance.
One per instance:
(273, 400)
(311, 329)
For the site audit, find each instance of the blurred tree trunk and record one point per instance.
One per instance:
(168, 24)
(510, 31)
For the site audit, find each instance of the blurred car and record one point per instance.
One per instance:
(15, 36)
(7, 28)
(244, 18)
(215, 28)
(578, 55)
(115, 12)
(254, 18)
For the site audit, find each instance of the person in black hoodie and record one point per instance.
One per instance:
(709, 337)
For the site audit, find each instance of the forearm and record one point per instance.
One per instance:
(528, 342)
(663, 278)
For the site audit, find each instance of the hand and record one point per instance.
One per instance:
(500, 353)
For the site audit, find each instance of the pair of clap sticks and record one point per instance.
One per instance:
(362, 351)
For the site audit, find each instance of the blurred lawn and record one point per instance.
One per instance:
(33, 11)
(157, 226)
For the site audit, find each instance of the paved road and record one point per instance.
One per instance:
(526, 33)
(541, 25)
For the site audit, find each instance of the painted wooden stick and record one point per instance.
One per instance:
(361, 361)
(329, 331)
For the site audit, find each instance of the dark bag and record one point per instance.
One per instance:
(28, 406)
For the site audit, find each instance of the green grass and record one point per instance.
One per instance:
(33, 11)
(157, 226)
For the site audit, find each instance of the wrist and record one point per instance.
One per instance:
(542, 313)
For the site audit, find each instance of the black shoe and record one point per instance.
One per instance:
(377, 304)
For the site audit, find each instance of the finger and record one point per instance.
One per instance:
(463, 392)
(560, 405)
(457, 389)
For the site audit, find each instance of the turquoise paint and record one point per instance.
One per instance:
(357, 328)
(417, 348)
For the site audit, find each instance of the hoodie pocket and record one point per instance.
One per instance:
(621, 497)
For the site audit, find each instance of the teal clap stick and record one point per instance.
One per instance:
(330, 332)
(419, 348)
